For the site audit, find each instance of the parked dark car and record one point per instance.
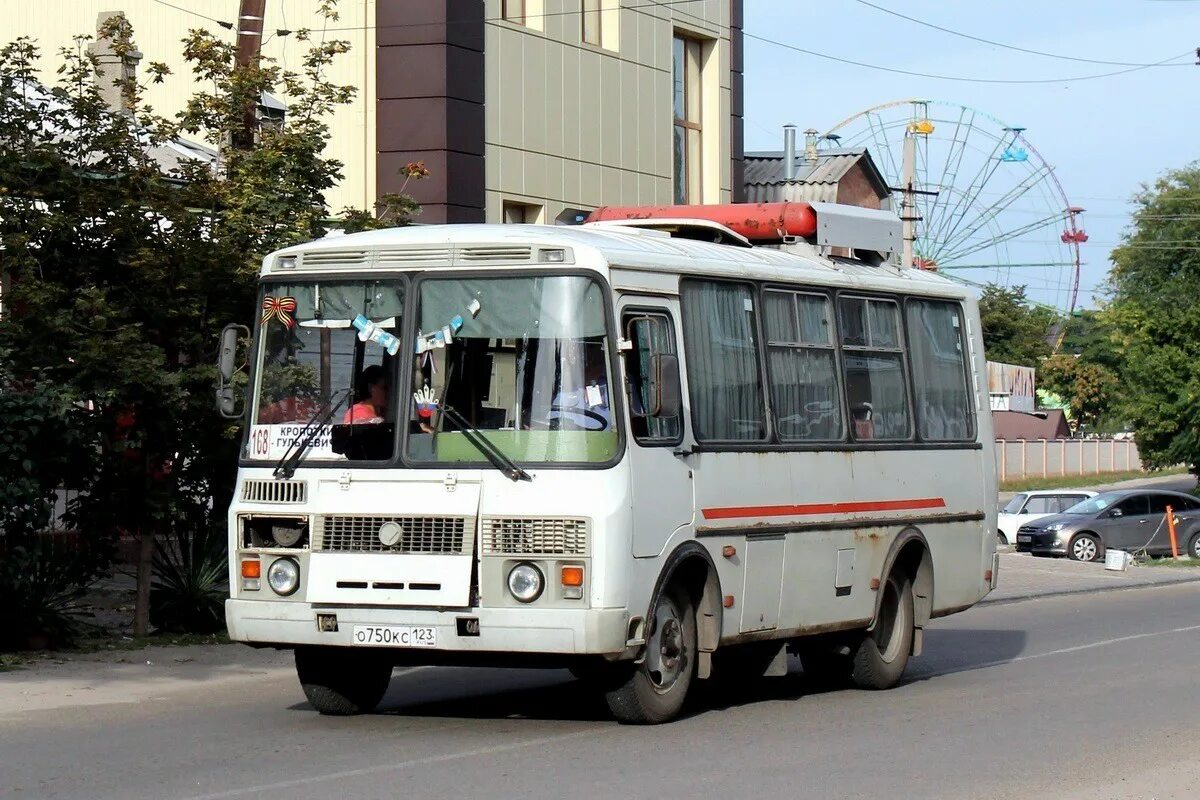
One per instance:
(1134, 520)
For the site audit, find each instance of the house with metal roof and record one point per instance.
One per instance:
(842, 175)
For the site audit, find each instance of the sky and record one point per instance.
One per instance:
(1104, 137)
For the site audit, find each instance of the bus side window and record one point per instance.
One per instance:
(650, 334)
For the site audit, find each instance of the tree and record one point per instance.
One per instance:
(119, 277)
(1014, 330)
(1088, 388)
(1088, 334)
(1155, 312)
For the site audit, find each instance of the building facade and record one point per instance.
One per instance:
(521, 109)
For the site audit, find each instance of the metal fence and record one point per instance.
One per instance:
(1044, 458)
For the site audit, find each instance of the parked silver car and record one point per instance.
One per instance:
(1028, 506)
(1133, 519)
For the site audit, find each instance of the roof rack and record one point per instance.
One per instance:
(743, 224)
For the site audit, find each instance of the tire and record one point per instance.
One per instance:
(1001, 539)
(1085, 547)
(654, 691)
(341, 682)
(1194, 546)
(881, 656)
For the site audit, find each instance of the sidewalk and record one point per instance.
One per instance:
(1150, 481)
(1023, 576)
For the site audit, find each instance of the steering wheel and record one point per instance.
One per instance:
(565, 424)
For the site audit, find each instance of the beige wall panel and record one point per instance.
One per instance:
(552, 124)
(572, 99)
(512, 168)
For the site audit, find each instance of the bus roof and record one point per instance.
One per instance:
(618, 246)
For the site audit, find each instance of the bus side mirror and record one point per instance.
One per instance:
(227, 366)
(666, 400)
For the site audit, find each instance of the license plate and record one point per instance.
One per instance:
(395, 636)
(1024, 537)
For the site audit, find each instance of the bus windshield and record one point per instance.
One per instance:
(524, 360)
(328, 346)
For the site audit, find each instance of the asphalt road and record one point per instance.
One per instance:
(1088, 696)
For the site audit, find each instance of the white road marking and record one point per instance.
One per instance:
(380, 768)
(1061, 651)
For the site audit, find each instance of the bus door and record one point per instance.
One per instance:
(661, 480)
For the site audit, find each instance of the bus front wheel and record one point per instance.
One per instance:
(340, 682)
(882, 655)
(654, 690)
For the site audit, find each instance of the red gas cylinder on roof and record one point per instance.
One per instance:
(758, 222)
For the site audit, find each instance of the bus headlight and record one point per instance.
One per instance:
(284, 576)
(525, 581)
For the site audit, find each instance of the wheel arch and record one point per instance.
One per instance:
(692, 567)
(911, 556)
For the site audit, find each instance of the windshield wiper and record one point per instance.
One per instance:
(286, 467)
(484, 445)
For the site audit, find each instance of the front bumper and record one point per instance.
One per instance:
(1049, 544)
(595, 631)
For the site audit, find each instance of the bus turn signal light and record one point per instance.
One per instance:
(572, 576)
(252, 568)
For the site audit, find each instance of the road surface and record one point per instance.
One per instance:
(1086, 696)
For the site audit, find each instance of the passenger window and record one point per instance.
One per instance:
(936, 350)
(802, 366)
(1159, 503)
(1136, 506)
(651, 336)
(721, 349)
(1041, 505)
(873, 363)
(1065, 501)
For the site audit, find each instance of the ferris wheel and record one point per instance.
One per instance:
(980, 204)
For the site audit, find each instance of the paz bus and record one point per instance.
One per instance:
(666, 446)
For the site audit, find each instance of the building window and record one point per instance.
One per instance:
(873, 361)
(686, 134)
(513, 11)
(802, 366)
(591, 22)
(721, 348)
(518, 213)
(936, 350)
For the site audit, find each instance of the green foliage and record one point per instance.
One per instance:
(1088, 334)
(41, 582)
(1014, 330)
(1089, 388)
(191, 571)
(118, 278)
(1155, 314)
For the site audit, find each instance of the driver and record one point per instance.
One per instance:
(588, 405)
(372, 400)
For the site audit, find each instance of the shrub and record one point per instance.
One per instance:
(188, 593)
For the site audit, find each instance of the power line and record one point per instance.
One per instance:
(852, 62)
(544, 15)
(1001, 44)
(222, 23)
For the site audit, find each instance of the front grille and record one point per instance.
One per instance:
(535, 536)
(272, 491)
(355, 534)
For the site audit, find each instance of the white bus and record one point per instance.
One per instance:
(647, 451)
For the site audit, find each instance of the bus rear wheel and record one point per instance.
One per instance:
(882, 655)
(654, 690)
(341, 682)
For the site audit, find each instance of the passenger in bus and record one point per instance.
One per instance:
(586, 407)
(864, 423)
(371, 405)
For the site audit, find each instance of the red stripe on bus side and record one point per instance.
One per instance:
(739, 512)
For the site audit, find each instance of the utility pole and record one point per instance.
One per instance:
(908, 208)
(249, 47)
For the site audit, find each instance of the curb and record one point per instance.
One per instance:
(1092, 590)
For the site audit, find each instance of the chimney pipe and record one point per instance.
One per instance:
(810, 145)
(789, 152)
(114, 68)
